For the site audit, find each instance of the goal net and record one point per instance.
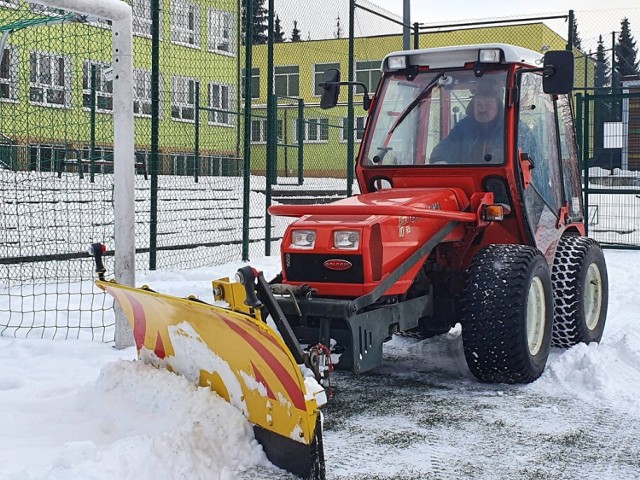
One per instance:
(66, 134)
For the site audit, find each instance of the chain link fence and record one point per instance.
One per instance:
(205, 176)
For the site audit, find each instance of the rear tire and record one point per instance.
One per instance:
(581, 291)
(507, 314)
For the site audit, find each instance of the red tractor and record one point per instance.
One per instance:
(470, 212)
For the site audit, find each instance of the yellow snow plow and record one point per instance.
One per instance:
(235, 353)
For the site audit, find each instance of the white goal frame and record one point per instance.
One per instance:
(120, 14)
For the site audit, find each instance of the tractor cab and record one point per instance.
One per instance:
(483, 118)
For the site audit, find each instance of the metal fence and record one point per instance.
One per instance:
(227, 121)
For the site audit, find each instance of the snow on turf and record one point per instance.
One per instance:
(83, 410)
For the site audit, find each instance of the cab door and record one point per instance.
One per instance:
(538, 138)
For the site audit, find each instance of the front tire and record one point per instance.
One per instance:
(581, 290)
(507, 314)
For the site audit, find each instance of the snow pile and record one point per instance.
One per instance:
(134, 421)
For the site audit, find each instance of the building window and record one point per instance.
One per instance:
(221, 99)
(102, 159)
(103, 86)
(318, 75)
(358, 131)
(49, 79)
(221, 32)
(259, 130)
(46, 158)
(9, 74)
(48, 11)
(185, 23)
(142, 21)
(316, 130)
(141, 92)
(287, 81)
(255, 82)
(368, 73)
(182, 164)
(9, 3)
(183, 98)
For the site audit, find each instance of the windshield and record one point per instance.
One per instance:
(439, 118)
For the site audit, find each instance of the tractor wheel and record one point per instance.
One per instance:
(507, 314)
(580, 287)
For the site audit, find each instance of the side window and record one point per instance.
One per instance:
(537, 136)
(569, 156)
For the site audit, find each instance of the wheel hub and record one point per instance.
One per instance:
(536, 315)
(592, 301)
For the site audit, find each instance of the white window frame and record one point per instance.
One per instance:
(371, 88)
(142, 92)
(221, 32)
(308, 128)
(287, 75)
(142, 19)
(102, 89)
(215, 117)
(39, 149)
(12, 82)
(356, 129)
(263, 130)
(180, 97)
(10, 3)
(181, 34)
(181, 158)
(39, 84)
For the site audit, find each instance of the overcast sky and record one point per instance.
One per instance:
(594, 17)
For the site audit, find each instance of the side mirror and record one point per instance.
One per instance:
(331, 89)
(558, 72)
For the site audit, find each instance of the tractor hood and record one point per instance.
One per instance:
(348, 247)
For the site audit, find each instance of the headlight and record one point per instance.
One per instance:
(489, 55)
(397, 63)
(303, 239)
(346, 239)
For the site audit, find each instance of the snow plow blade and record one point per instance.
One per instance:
(237, 355)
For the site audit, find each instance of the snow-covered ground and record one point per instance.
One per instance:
(82, 410)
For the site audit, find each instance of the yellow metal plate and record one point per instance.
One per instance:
(240, 358)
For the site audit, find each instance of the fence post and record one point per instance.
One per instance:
(271, 161)
(92, 124)
(299, 139)
(579, 126)
(246, 173)
(196, 152)
(155, 132)
(350, 140)
(585, 162)
(416, 35)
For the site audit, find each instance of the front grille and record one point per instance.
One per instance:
(309, 267)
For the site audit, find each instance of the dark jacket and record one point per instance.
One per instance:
(472, 142)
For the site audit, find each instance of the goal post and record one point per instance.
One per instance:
(120, 14)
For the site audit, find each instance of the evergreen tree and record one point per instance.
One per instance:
(295, 34)
(338, 33)
(626, 53)
(602, 70)
(259, 22)
(278, 34)
(576, 36)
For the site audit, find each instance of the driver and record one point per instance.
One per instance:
(479, 137)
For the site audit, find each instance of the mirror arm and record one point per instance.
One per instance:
(366, 101)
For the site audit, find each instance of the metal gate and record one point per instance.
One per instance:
(608, 126)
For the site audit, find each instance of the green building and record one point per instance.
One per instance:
(298, 70)
(56, 96)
